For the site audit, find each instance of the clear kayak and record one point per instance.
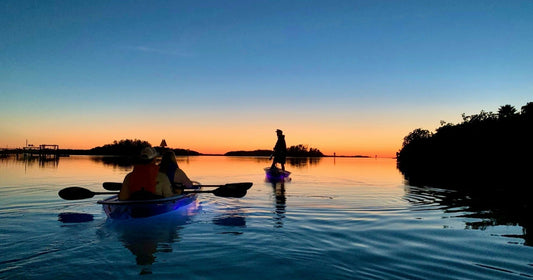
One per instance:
(133, 209)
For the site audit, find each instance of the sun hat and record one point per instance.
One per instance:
(148, 153)
(279, 130)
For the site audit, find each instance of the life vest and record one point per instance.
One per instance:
(143, 177)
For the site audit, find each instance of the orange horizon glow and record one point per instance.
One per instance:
(205, 146)
(354, 138)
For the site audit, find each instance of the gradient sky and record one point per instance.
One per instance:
(350, 77)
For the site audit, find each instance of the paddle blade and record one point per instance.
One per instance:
(110, 186)
(233, 190)
(229, 193)
(239, 186)
(75, 193)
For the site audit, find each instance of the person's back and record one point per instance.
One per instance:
(281, 147)
(140, 183)
(145, 181)
(176, 176)
(168, 165)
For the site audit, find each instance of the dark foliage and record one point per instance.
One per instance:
(303, 151)
(124, 147)
(485, 149)
(132, 148)
(184, 152)
(293, 151)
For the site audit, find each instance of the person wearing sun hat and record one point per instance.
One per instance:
(280, 151)
(145, 181)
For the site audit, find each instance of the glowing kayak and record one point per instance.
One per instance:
(277, 175)
(132, 209)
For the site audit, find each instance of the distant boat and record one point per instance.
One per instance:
(277, 175)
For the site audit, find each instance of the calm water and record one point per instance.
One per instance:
(343, 218)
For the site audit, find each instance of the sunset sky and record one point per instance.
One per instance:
(350, 77)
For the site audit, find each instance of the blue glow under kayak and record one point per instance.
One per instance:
(277, 175)
(132, 209)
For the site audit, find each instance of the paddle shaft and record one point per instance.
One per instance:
(114, 186)
(75, 193)
(198, 191)
(103, 193)
(227, 190)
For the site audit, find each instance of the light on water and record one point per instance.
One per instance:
(338, 218)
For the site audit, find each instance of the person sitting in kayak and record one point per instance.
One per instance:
(280, 151)
(145, 181)
(177, 177)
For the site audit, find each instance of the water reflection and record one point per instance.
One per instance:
(72, 217)
(277, 179)
(296, 162)
(114, 161)
(300, 162)
(232, 218)
(128, 162)
(121, 162)
(278, 189)
(281, 203)
(30, 160)
(489, 208)
(144, 238)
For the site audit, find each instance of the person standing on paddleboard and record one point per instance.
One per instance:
(280, 151)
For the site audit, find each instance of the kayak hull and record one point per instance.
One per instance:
(134, 209)
(277, 175)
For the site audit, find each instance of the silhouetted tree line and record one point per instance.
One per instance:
(125, 147)
(293, 151)
(485, 149)
(303, 151)
(185, 152)
(128, 147)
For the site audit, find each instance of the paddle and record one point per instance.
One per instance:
(110, 186)
(228, 190)
(75, 193)
(113, 186)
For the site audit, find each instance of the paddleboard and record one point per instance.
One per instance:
(277, 175)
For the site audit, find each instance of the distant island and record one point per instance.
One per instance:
(132, 147)
(125, 147)
(293, 151)
(129, 147)
(485, 149)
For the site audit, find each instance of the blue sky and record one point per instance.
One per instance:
(329, 72)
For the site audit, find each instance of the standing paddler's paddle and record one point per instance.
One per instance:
(228, 190)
